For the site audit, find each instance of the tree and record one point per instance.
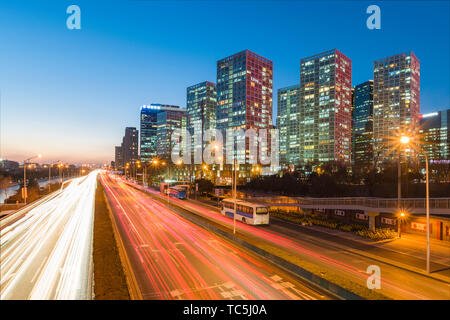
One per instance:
(5, 182)
(204, 185)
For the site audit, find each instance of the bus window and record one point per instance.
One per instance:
(261, 210)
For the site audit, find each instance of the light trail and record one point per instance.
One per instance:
(47, 252)
(174, 258)
(393, 281)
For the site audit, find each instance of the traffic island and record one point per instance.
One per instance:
(109, 278)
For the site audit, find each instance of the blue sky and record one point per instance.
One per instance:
(69, 94)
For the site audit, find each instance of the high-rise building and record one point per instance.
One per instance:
(288, 125)
(118, 159)
(201, 102)
(396, 102)
(435, 134)
(325, 108)
(168, 120)
(362, 129)
(244, 97)
(130, 144)
(149, 119)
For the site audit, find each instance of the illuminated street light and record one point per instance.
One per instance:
(405, 140)
(401, 217)
(25, 176)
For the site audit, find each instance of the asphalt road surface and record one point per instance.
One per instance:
(173, 258)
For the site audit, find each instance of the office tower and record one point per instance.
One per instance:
(435, 134)
(362, 129)
(244, 97)
(167, 121)
(149, 129)
(396, 101)
(201, 105)
(288, 125)
(325, 108)
(130, 145)
(118, 159)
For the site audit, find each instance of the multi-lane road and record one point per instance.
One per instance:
(332, 256)
(46, 251)
(172, 258)
(46, 248)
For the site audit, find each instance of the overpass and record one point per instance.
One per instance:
(417, 206)
(371, 207)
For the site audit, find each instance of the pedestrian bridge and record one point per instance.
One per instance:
(439, 206)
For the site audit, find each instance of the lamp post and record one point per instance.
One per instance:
(406, 140)
(402, 215)
(428, 211)
(50, 173)
(403, 140)
(234, 195)
(25, 176)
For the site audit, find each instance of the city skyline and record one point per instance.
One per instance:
(116, 99)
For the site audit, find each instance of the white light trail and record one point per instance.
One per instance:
(47, 253)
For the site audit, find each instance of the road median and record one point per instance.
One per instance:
(113, 277)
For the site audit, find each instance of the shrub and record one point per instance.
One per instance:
(361, 230)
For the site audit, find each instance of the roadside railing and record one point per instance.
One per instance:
(413, 203)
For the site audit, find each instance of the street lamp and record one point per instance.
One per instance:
(25, 176)
(407, 140)
(50, 173)
(404, 140)
(401, 216)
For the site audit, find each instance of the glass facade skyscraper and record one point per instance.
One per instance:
(130, 144)
(362, 130)
(435, 134)
(244, 95)
(325, 108)
(168, 120)
(396, 102)
(201, 102)
(149, 119)
(288, 125)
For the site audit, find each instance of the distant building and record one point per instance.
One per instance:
(244, 99)
(396, 102)
(325, 108)
(149, 125)
(168, 120)
(435, 134)
(130, 146)
(201, 102)
(362, 129)
(118, 159)
(288, 125)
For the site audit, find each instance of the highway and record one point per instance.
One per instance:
(172, 258)
(46, 249)
(330, 255)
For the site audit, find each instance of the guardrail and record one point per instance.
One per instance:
(11, 206)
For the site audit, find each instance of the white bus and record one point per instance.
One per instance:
(247, 212)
